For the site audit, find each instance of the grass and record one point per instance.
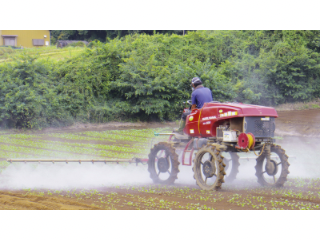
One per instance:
(52, 52)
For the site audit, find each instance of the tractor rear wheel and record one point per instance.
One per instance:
(163, 164)
(208, 168)
(277, 176)
(231, 166)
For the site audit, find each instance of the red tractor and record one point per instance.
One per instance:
(214, 129)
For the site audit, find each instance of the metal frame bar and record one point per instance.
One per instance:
(133, 160)
(272, 156)
(184, 153)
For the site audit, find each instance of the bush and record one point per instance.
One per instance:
(77, 44)
(29, 96)
(4, 50)
(143, 77)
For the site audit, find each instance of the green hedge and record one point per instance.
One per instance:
(143, 77)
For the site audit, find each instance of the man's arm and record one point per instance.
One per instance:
(193, 101)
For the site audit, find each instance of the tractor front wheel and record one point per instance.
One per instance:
(208, 168)
(163, 164)
(276, 175)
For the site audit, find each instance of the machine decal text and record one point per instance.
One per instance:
(209, 118)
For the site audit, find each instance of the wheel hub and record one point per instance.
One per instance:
(272, 168)
(208, 169)
(163, 165)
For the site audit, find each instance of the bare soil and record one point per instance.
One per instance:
(83, 127)
(241, 196)
(298, 123)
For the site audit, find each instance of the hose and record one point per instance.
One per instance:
(199, 118)
(261, 151)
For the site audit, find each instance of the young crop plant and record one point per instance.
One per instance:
(53, 145)
(106, 135)
(78, 136)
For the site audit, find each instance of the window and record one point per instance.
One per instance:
(9, 41)
(38, 42)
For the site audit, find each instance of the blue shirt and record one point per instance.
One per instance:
(201, 96)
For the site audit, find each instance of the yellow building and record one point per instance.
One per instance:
(25, 38)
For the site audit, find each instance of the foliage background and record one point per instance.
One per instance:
(144, 76)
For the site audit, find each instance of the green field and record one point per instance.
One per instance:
(118, 192)
(122, 144)
(52, 52)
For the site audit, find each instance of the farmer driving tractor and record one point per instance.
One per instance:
(200, 95)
